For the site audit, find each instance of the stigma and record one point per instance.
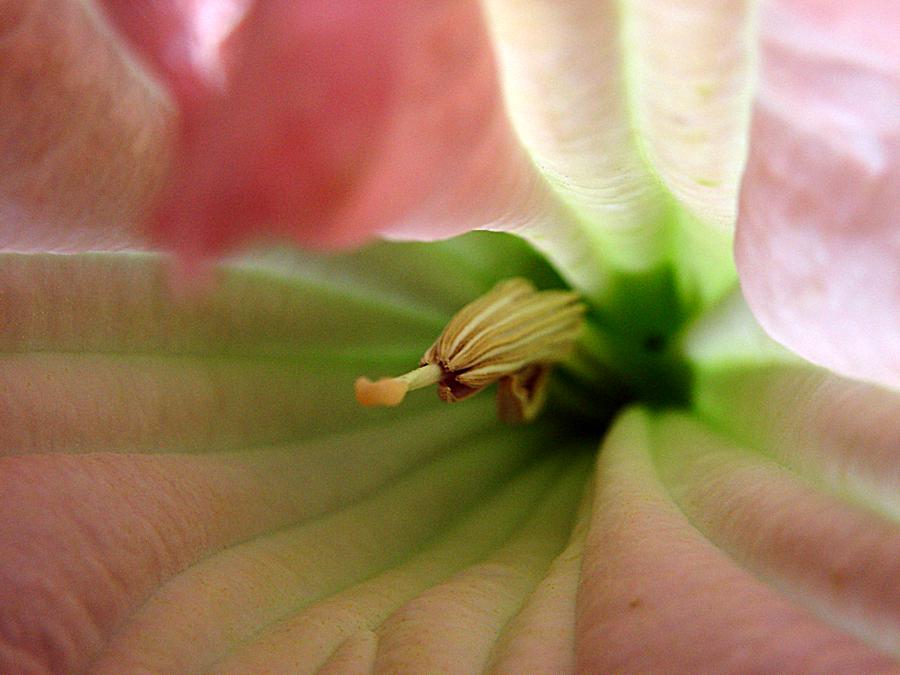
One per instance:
(512, 335)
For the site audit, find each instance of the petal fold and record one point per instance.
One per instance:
(637, 112)
(774, 523)
(658, 592)
(841, 432)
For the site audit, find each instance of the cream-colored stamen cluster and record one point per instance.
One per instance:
(512, 334)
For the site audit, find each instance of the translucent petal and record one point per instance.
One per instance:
(638, 113)
(818, 247)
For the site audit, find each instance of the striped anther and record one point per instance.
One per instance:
(509, 331)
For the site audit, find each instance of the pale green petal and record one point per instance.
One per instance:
(187, 485)
(688, 68)
(444, 606)
(188, 482)
(563, 79)
(637, 111)
(842, 432)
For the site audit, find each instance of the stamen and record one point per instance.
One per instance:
(512, 334)
(521, 396)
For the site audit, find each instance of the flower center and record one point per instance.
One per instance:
(585, 358)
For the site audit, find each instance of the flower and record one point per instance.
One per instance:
(187, 483)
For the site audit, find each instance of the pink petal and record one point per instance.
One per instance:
(661, 592)
(817, 246)
(868, 25)
(337, 121)
(85, 141)
(776, 523)
(406, 136)
(181, 40)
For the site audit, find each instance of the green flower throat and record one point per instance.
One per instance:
(515, 335)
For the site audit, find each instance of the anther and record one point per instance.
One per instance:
(513, 334)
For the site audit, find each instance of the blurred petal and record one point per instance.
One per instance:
(689, 571)
(84, 139)
(863, 27)
(818, 247)
(333, 122)
(180, 39)
(638, 113)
